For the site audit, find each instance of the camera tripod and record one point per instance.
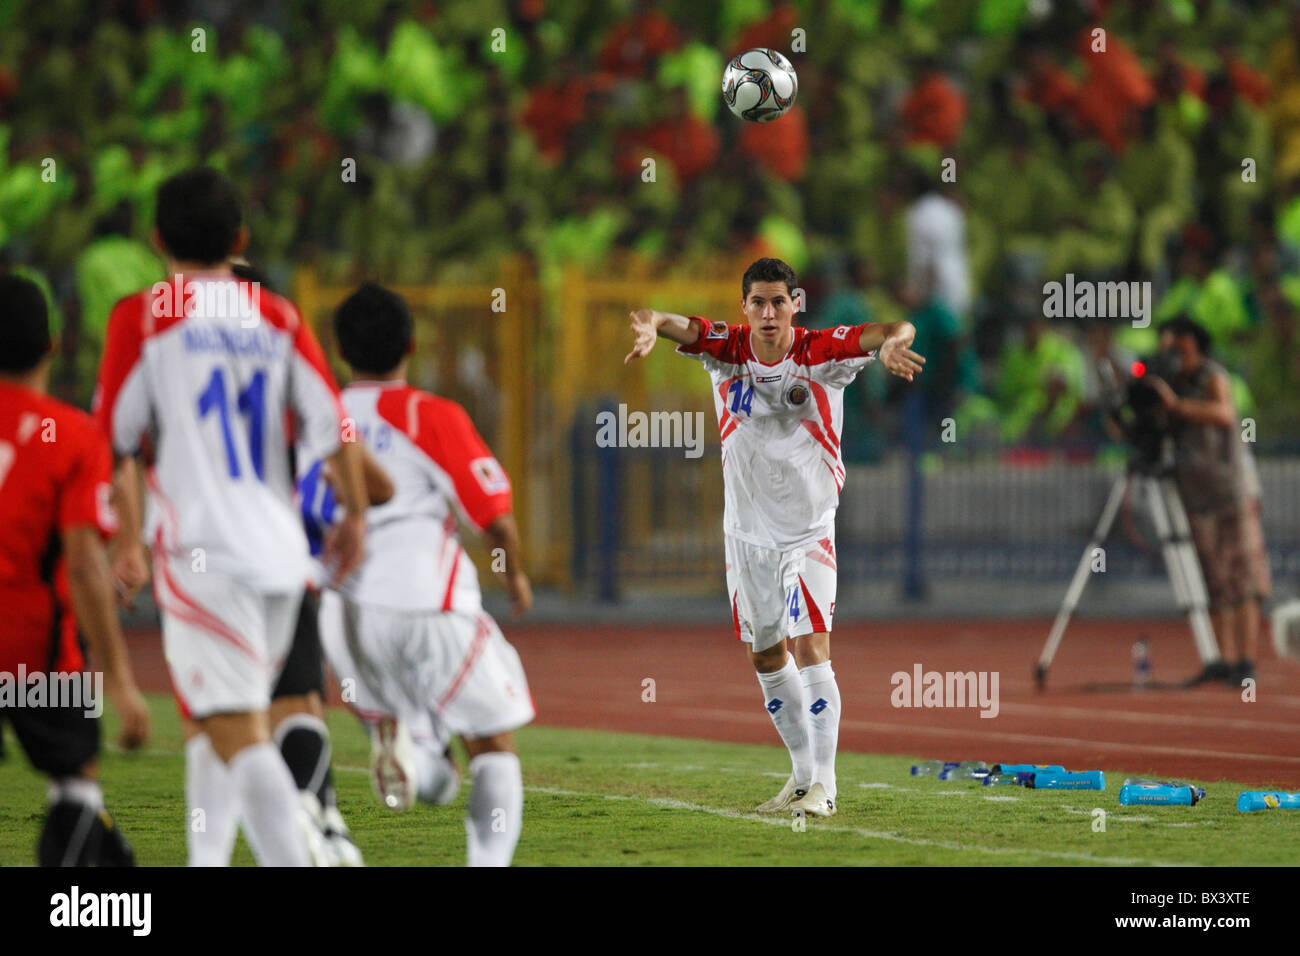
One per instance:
(1181, 563)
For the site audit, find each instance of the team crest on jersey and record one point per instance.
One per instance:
(718, 330)
(797, 395)
(491, 477)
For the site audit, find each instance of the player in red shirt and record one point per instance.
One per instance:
(55, 482)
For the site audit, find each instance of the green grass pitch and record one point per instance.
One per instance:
(595, 798)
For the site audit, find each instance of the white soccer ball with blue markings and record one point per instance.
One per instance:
(759, 85)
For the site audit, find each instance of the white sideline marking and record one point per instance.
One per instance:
(997, 799)
(1109, 815)
(668, 803)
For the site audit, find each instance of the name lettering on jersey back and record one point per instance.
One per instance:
(255, 343)
(651, 430)
(219, 298)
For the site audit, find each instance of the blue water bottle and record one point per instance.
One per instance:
(1268, 800)
(1167, 793)
(1014, 768)
(1077, 780)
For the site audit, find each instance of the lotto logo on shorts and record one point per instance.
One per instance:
(774, 705)
(819, 706)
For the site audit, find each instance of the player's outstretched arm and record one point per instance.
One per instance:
(90, 582)
(649, 325)
(892, 340)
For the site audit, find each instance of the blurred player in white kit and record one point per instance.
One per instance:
(409, 627)
(779, 395)
(204, 378)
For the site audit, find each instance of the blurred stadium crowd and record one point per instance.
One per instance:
(1122, 164)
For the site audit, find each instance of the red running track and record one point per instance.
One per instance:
(592, 676)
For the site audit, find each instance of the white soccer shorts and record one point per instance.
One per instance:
(448, 669)
(779, 594)
(225, 641)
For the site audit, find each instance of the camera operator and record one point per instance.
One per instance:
(1219, 486)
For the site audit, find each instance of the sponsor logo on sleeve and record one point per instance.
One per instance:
(717, 330)
(840, 332)
(491, 476)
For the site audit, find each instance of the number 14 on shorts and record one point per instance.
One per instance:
(792, 602)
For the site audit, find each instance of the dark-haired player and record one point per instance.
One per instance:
(55, 482)
(205, 373)
(409, 627)
(779, 394)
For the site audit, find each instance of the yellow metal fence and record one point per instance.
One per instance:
(532, 365)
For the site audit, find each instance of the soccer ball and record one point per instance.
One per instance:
(759, 85)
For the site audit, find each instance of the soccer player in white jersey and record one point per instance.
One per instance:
(409, 626)
(779, 394)
(204, 376)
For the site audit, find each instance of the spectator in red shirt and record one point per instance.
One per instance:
(687, 142)
(773, 31)
(1248, 83)
(780, 146)
(633, 44)
(554, 109)
(935, 110)
(1114, 90)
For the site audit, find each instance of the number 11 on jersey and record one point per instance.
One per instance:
(251, 402)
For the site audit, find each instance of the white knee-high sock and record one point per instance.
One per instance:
(822, 698)
(783, 697)
(269, 802)
(495, 813)
(212, 803)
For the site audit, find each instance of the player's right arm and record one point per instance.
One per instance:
(649, 325)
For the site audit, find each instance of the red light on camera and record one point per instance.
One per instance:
(1139, 369)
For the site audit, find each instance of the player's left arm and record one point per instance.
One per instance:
(891, 342)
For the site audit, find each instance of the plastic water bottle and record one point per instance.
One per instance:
(933, 768)
(1141, 663)
(1014, 768)
(966, 770)
(1077, 780)
(994, 779)
(1268, 800)
(1160, 793)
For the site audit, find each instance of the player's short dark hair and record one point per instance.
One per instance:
(768, 270)
(373, 328)
(24, 324)
(198, 215)
(1181, 325)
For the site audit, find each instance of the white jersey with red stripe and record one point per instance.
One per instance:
(780, 427)
(217, 388)
(441, 469)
